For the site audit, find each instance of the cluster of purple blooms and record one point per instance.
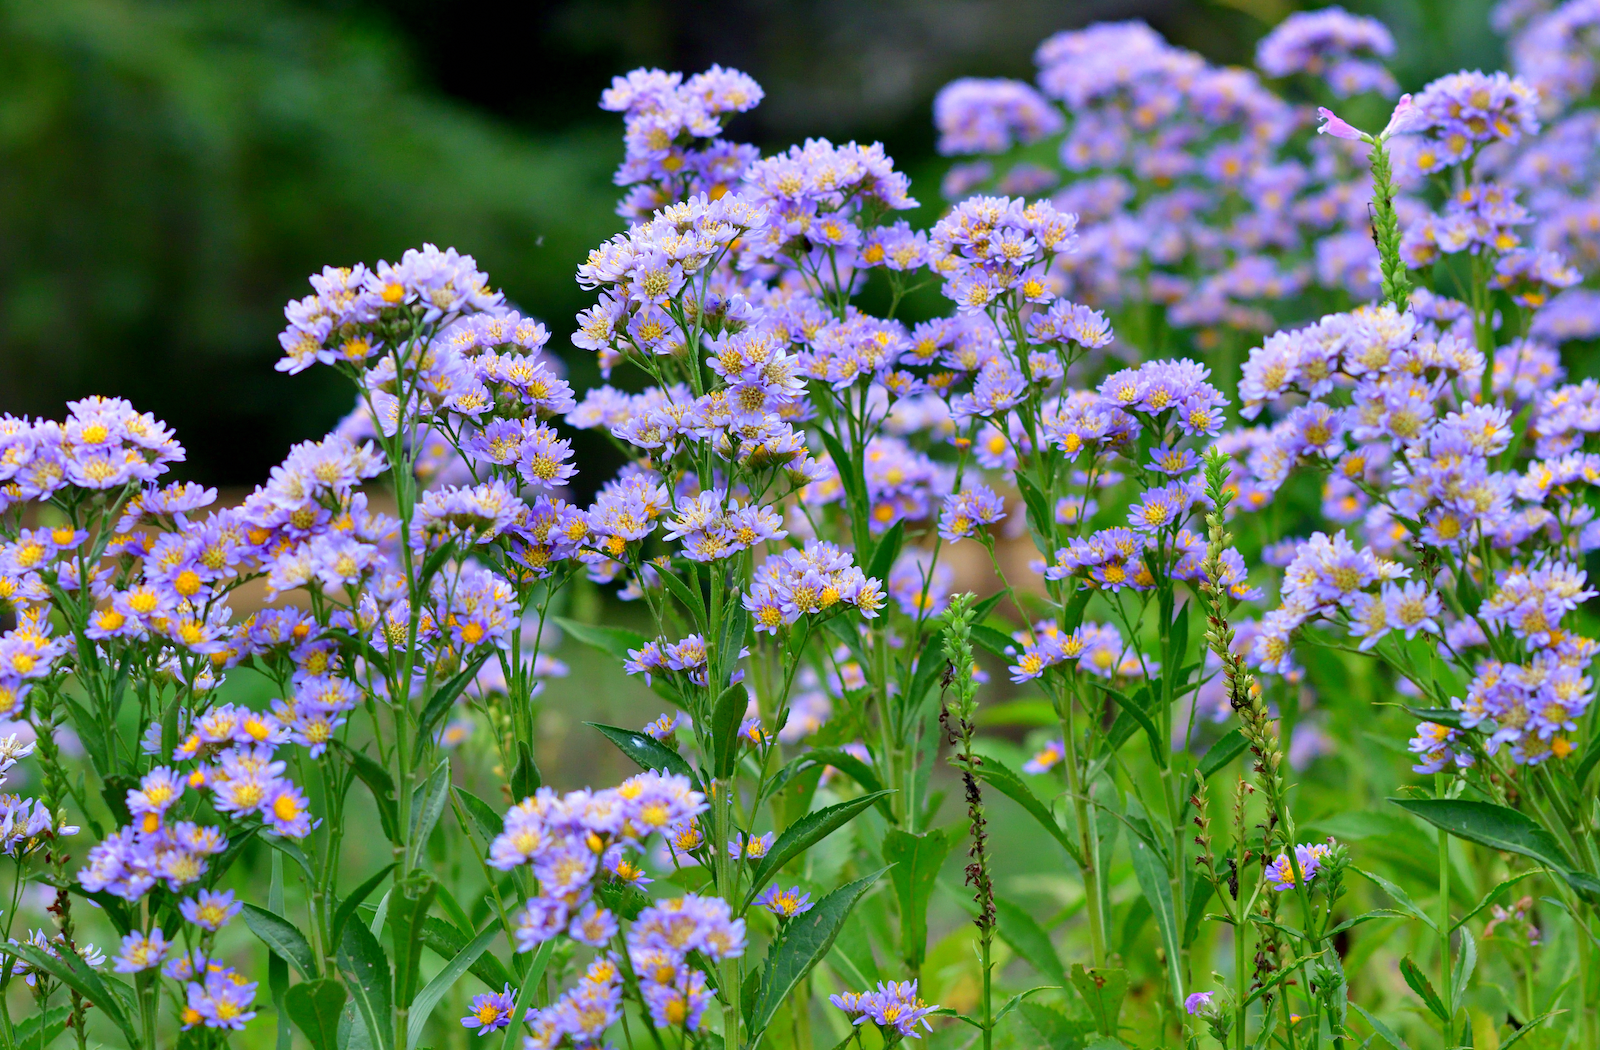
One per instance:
(817, 579)
(895, 1008)
(572, 840)
(673, 129)
(1332, 45)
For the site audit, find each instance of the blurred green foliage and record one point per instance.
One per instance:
(170, 170)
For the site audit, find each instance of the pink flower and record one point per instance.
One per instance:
(1333, 125)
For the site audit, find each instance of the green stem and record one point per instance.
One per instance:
(1441, 785)
(1088, 841)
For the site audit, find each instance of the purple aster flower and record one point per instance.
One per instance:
(141, 951)
(785, 904)
(1281, 872)
(490, 1011)
(210, 910)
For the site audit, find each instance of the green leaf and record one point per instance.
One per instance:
(915, 860)
(887, 550)
(1199, 895)
(1230, 747)
(366, 975)
(688, 594)
(647, 752)
(1103, 992)
(1384, 1031)
(1489, 898)
(443, 699)
(1153, 882)
(481, 816)
(1029, 940)
(525, 778)
(314, 1007)
(283, 938)
(613, 640)
(37, 1032)
(1419, 983)
(843, 761)
(1580, 772)
(427, 805)
(1527, 1027)
(73, 972)
(430, 995)
(1466, 962)
(446, 941)
(725, 719)
(1400, 897)
(294, 853)
(803, 834)
(1041, 517)
(996, 642)
(999, 776)
(1135, 710)
(930, 665)
(805, 941)
(1280, 974)
(408, 909)
(379, 783)
(1497, 827)
(531, 979)
(735, 629)
(1444, 716)
(347, 907)
(277, 967)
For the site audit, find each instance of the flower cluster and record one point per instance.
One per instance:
(895, 1008)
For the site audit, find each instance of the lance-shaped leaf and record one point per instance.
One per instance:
(648, 753)
(843, 761)
(613, 640)
(408, 908)
(380, 783)
(1230, 747)
(1134, 708)
(446, 941)
(887, 550)
(73, 972)
(1000, 776)
(430, 995)
(444, 698)
(1029, 940)
(803, 834)
(427, 804)
(481, 817)
(348, 906)
(526, 777)
(366, 975)
(1419, 983)
(314, 1007)
(1497, 827)
(805, 941)
(1580, 772)
(1383, 1031)
(1400, 897)
(725, 718)
(688, 594)
(531, 979)
(283, 938)
(915, 860)
(1152, 876)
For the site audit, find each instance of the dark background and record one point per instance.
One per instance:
(171, 170)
